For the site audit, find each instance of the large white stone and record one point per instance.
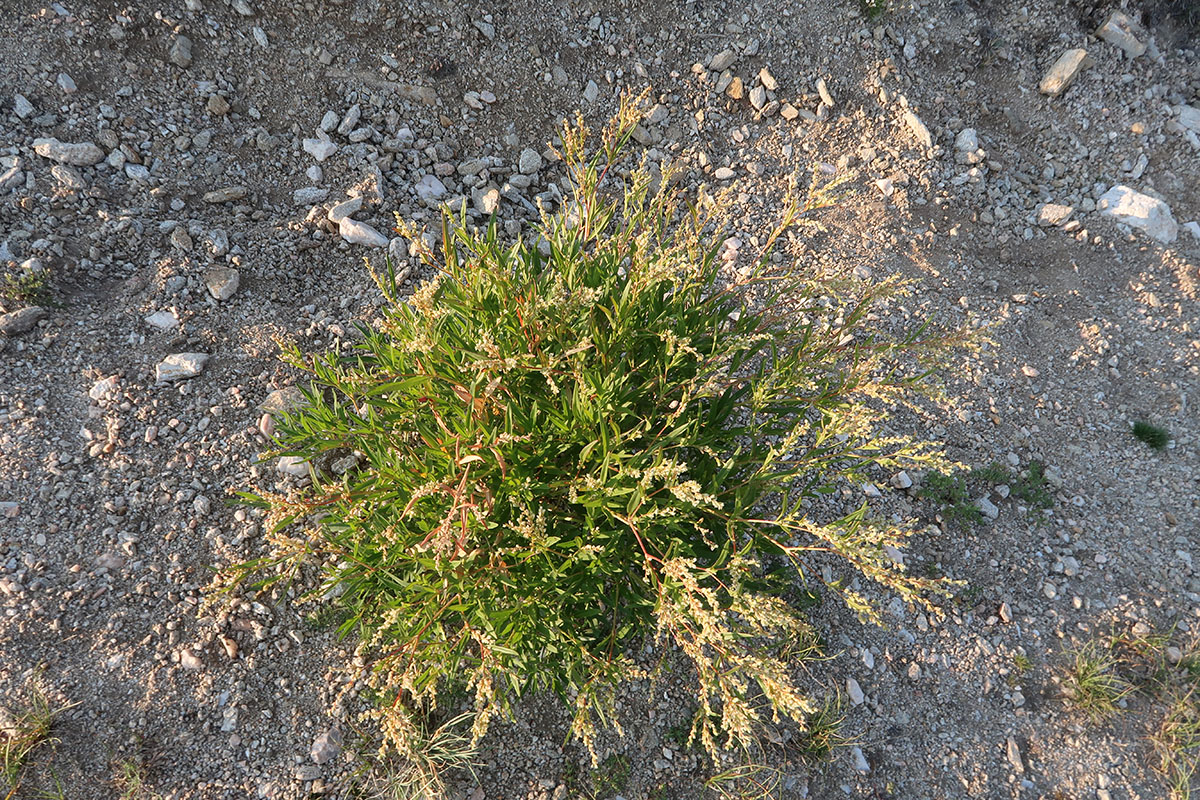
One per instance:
(1189, 117)
(77, 154)
(356, 232)
(1068, 65)
(430, 189)
(1139, 211)
(179, 366)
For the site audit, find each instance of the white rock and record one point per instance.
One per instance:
(486, 201)
(225, 194)
(918, 129)
(66, 83)
(529, 162)
(292, 465)
(429, 189)
(104, 389)
(77, 154)
(327, 746)
(868, 658)
(356, 232)
(345, 209)
(179, 366)
(163, 320)
(321, 148)
(1064, 70)
(1193, 228)
(189, 660)
(1014, 754)
(967, 141)
(823, 91)
(860, 761)
(1053, 214)
(758, 97)
(473, 100)
(772, 85)
(221, 282)
(901, 480)
(854, 692)
(1139, 211)
(723, 173)
(1118, 29)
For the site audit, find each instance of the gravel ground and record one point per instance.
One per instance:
(199, 178)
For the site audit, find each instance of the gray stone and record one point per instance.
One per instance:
(1053, 214)
(1064, 70)
(68, 177)
(967, 141)
(329, 122)
(591, 92)
(530, 161)
(20, 321)
(918, 129)
(350, 121)
(854, 692)
(225, 195)
(180, 366)
(987, 508)
(356, 232)
(309, 195)
(217, 105)
(21, 106)
(327, 746)
(66, 83)
(723, 173)
(12, 177)
(307, 772)
(221, 282)
(1118, 29)
(180, 52)
(1189, 117)
(768, 80)
(722, 61)
(860, 760)
(486, 28)
(1139, 211)
(77, 154)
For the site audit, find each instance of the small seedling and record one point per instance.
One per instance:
(822, 734)
(951, 493)
(1095, 683)
(873, 9)
(1151, 434)
(129, 778)
(611, 776)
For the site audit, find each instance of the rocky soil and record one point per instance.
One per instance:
(195, 179)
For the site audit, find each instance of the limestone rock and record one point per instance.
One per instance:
(1068, 65)
(1139, 211)
(77, 154)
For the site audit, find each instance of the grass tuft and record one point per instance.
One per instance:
(23, 730)
(1150, 434)
(1095, 682)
